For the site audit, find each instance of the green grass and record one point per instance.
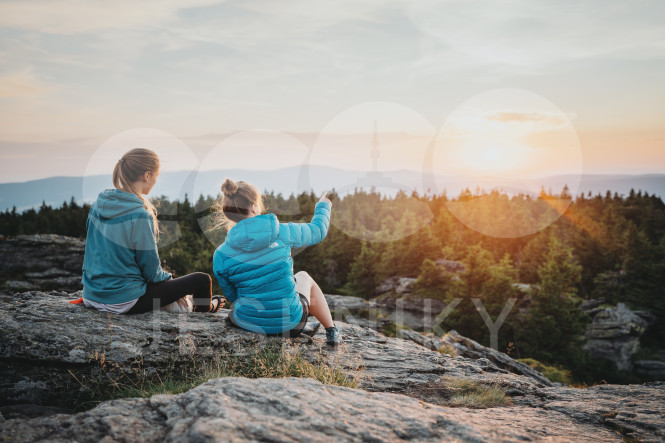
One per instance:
(554, 373)
(271, 361)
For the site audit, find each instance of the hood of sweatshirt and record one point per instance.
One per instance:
(254, 233)
(116, 203)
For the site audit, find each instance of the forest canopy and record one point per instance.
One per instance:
(591, 246)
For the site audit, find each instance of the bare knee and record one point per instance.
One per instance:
(303, 278)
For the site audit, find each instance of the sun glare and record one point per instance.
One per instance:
(501, 158)
(507, 133)
(510, 140)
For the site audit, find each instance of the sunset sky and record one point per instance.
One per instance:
(508, 87)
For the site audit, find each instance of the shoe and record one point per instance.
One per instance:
(333, 336)
(214, 307)
(311, 328)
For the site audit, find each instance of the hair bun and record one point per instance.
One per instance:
(229, 188)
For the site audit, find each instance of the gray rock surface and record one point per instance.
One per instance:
(405, 309)
(654, 369)
(48, 262)
(408, 310)
(45, 342)
(592, 303)
(638, 411)
(239, 409)
(345, 303)
(396, 285)
(451, 265)
(525, 288)
(614, 334)
(466, 347)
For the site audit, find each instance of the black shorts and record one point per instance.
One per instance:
(297, 329)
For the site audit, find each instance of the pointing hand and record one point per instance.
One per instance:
(325, 199)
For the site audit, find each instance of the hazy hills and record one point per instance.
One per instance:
(56, 190)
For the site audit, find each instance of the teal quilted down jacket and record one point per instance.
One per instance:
(254, 268)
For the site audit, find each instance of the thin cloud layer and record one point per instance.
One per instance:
(529, 34)
(22, 84)
(71, 17)
(82, 69)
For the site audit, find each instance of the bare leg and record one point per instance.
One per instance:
(318, 306)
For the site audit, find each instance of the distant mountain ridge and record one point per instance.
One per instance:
(293, 180)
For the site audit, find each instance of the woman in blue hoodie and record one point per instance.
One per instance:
(121, 267)
(255, 270)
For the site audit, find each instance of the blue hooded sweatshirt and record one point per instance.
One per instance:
(254, 268)
(120, 250)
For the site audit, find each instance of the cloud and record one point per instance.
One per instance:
(207, 66)
(527, 117)
(22, 84)
(531, 35)
(69, 17)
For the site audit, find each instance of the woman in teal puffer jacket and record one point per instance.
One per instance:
(254, 266)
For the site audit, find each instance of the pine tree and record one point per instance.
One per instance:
(555, 324)
(362, 277)
(434, 281)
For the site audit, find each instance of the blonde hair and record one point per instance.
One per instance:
(235, 203)
(129, 169)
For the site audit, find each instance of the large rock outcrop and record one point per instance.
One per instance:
(652, 369)
(42, 262)
(396, 285)
(47, 343)
(239, 409)
(638, 411)
(407, 309)
(614, 334)
(399, 305)
(410, 310)
(465, 347)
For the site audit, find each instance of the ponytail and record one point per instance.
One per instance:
(131, 168)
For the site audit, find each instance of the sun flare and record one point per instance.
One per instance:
(500, 158)
(507, 134)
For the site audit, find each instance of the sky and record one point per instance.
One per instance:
(509, 88)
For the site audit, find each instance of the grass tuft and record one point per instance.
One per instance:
(269, 361)
(448, 350)
(461, 392)
(471, 394)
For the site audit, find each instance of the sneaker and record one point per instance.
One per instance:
(333, 336)
(311, 328)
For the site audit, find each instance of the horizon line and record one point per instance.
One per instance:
(482, 177)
